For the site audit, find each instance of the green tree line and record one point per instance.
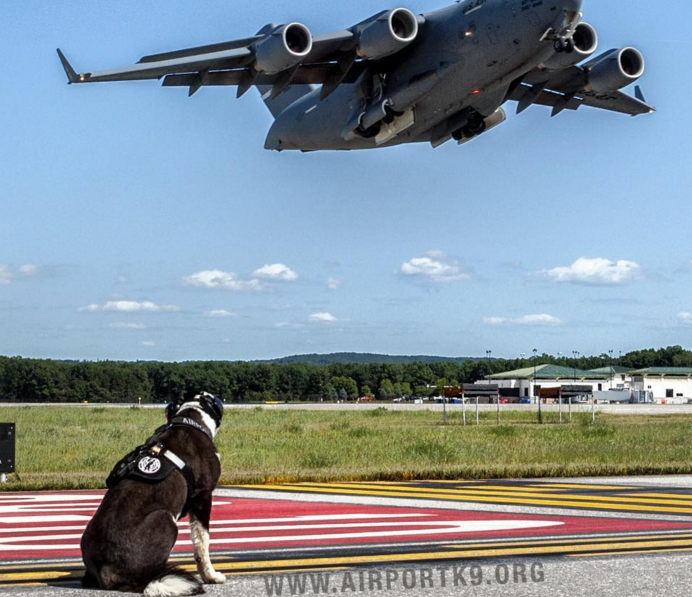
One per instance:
(34, 380)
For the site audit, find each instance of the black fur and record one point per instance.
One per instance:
(127, 543)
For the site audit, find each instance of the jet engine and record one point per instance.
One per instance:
(283, 48)
(584, 43)
(616, 70)
(391, 32)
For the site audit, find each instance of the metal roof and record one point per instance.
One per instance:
(551, 372)
(681, 371)
(608, 370)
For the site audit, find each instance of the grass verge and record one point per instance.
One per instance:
(71, 448)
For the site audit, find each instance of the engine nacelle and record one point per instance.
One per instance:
(391, 32)
(283, 48)
(585, 40)
(616, 70)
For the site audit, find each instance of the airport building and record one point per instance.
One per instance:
(662, 385)
(521, 383)
(667, 385)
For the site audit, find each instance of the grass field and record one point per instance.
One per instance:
(74, 448)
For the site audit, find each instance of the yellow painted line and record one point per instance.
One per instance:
(565, 503)
(502, 488)
(581, 486)
(482, 492)
(611, 553)
(448, 555)
(13, 576)
(552, 541)
(664, 495)
(287, 571)
(23, 585)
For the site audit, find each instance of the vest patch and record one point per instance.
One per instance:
(149, 465)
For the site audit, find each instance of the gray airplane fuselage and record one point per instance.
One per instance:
(468, 53)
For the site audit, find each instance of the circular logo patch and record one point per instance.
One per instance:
(149, 465)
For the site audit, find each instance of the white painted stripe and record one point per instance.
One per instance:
(446, 527)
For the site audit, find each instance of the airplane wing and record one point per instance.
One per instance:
(328, 59)
(567, 89)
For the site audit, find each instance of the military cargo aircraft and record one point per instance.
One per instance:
(399, 77)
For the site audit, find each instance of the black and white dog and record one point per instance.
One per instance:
(127, 543)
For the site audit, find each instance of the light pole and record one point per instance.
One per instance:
(610, 352)
(521, 356)
(536, 394)
(575, 354)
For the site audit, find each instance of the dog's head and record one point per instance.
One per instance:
(210, 407)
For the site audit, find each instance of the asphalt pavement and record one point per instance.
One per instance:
(605, 536)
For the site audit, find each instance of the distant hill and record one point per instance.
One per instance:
(362, 358)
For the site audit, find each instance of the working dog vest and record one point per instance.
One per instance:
(152, 462)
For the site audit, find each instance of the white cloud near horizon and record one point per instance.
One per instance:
(7, 274)
(28, 270)
(322, 318)
(219, 279)
(527, 320)
(593, 272)
(276, 271)
(127, 326)
(149, 343)
(685, 317)
(131, 307)
(220, 314)
(334, 284)
(434, 266)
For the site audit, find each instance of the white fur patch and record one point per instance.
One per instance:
(171, 586)
(207, 421)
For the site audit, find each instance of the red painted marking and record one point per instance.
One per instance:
(50, 525)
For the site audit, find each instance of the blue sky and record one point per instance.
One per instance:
(136, 223)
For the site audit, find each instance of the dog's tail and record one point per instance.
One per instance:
(174, 582)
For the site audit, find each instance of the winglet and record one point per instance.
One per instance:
(72, 76)
(639, 94)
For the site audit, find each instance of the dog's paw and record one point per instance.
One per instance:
(215, 578)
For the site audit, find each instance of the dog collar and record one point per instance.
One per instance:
(187, 421)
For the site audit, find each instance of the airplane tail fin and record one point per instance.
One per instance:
(290, 95)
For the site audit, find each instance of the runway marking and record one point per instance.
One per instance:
(582, 486)
(613, 553)
(671, 498)
(598, 547)
(679, 503)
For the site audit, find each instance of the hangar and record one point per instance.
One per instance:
(666, 385)
(662, 385)
(521, 383)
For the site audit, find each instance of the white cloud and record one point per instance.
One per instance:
(5, 274)
(276, 271)
(219, 279)
(435, 266)
(539, 319)
(596, 272)
(685, 317)
(220, 314)
(28, 270)
(334, 284)
(149, 343)
(285, 325)
(131, 307)
(127, 326)
(322, 318)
